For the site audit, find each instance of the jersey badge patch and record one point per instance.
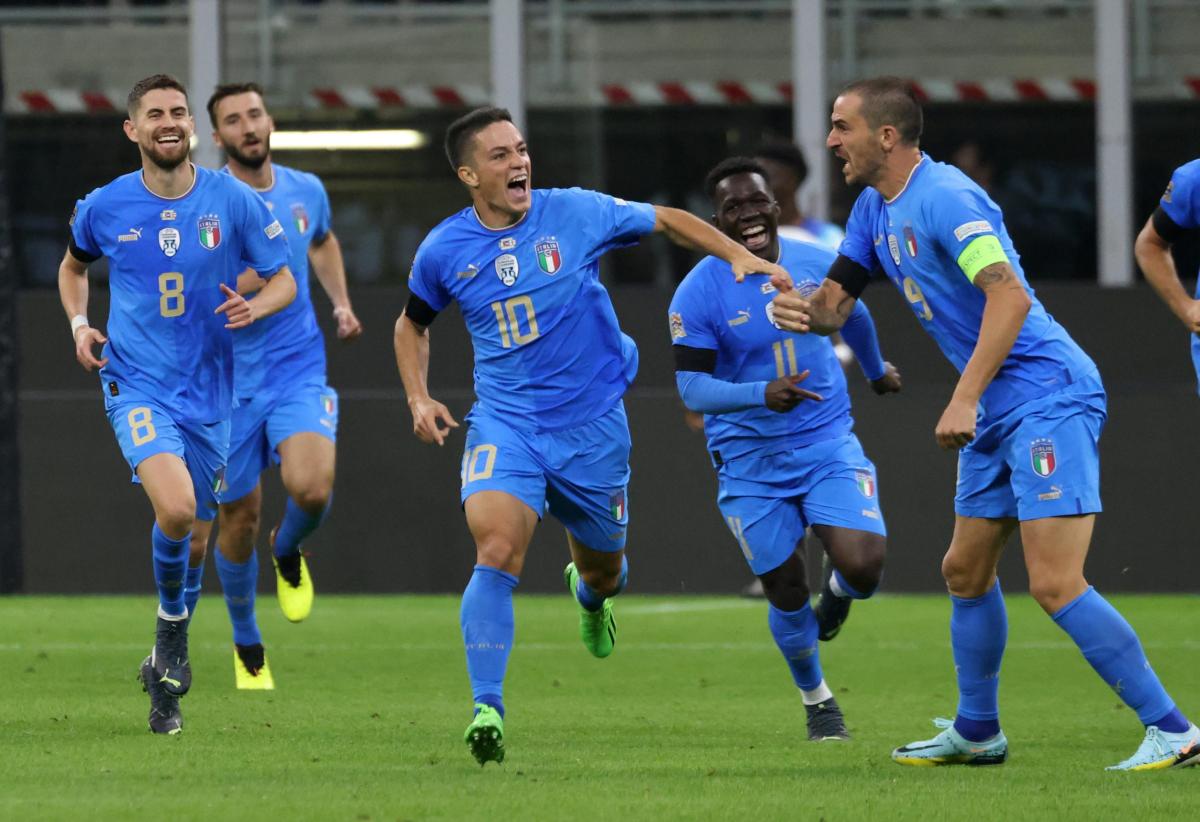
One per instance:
(742, 318)
(1166, 198)
(677, 329)
(168, 241)
(894, 248)
(167, 215)
(210, 231)
(328, 404)
(616, 504)
(71, 220)
(770, 309)
(767, 288)
(866, 483)
(1041, 454)
(273, 230)
(971, 229)
(507, 269)
(548, 255)
(301, 217)
(507, 243)
(910, 241)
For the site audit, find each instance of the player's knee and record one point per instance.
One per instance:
(241, 525)
(1054, 592)
(495, 551)
(603, 580)
(197, 549)
(312, 498)
(786, 587)
(864, 571)
(963, 578)
(176, 517)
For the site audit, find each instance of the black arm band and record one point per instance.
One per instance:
(79, 254)
(687, 358)
(1167, 228)
(851, 276)
(419, 311)
(316, 242)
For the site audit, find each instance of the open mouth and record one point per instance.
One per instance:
(518, 186)
(172, 139)
(755, 237)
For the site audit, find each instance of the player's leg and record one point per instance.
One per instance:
(237, 566)
(198, 552)
(302, 431)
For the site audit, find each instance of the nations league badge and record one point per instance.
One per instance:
(168, 241)
(507, 269)
(1041, 454)
(210, 231)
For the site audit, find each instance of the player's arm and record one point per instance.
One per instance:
(826, 309)
(276, 295)
(705, 394)
(411, 342)
(325, 257)
(1004, 313)
(689, 231)
(73, 291)
(859, 333)
(1153, 252)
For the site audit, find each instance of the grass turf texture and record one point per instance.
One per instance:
(694, 716)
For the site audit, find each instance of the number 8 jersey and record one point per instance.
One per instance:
(549, 354)
(167, 259)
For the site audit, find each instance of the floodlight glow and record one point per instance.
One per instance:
(396, 139)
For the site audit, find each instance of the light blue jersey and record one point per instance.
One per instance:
(167, 259)
(711, 310)
(923, 239)
(1181, 202)
(286, 348)
(549, 354)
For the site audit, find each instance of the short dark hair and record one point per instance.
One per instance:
(151, 83)
(729, 167)
(462, 130)
(786, 154)
(890, 101)
(229, 90)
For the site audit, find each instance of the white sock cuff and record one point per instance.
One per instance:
(172, 617)
(817, 695)
(838, 590)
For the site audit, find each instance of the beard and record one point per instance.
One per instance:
(247, 160)
(168, 162)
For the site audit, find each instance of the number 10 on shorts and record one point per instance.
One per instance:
(478, 463)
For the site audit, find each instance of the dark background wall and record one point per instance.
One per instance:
(397, 525)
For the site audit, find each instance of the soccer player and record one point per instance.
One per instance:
(786, 172)
(785, 455)
(286, 412)
(1178, 211)
(176, 236)
(548, 430)
(1026, 417)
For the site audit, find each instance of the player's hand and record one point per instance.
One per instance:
(1191, 317)
(956, 428)
(239, 311)
(747, 263)
(428, 417)
(85, 338)
(784, 394)
(348, 326)
(889, 383)
(782, 282)
(790, 311)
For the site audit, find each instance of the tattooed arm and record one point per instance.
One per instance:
(1007, 305)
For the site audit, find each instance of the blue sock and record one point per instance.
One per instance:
(297, 525)
(839, 583)
(795, 633)
(1112, 648)
(978, 634)
(170, 568)
(592, 601)
(239, 582)
(191, 588)
(487, 629)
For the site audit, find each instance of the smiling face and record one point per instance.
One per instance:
(162, 127)
(860, 147)
(497, 170)
(243, 128)
(746, 212)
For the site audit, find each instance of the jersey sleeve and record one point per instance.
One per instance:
(966, 224)
(264, 244)
(83, 241)
(425, 280)
(1181, 200)
(858, 245)
(323, 220)
(612, 222)
(688, 318)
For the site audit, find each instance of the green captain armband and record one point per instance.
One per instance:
(979, 254)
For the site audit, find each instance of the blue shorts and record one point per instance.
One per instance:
(768, 501)
(145, 428)
(580, 475)
(260, 424)
(1041, 459)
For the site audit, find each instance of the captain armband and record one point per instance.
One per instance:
(979, 254)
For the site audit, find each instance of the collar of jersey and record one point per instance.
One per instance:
(507, 227)
(195, 179)
(266, 190)
(911, 174)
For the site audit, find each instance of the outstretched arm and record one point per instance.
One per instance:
(689, 231)
(327, 263)
(1004, 313)
(276, 295)
(859, 333)
(1153, 252)
(411, 342)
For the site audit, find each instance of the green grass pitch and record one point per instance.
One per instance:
(693, 717)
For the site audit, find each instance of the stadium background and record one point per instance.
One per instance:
(1079, 111)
